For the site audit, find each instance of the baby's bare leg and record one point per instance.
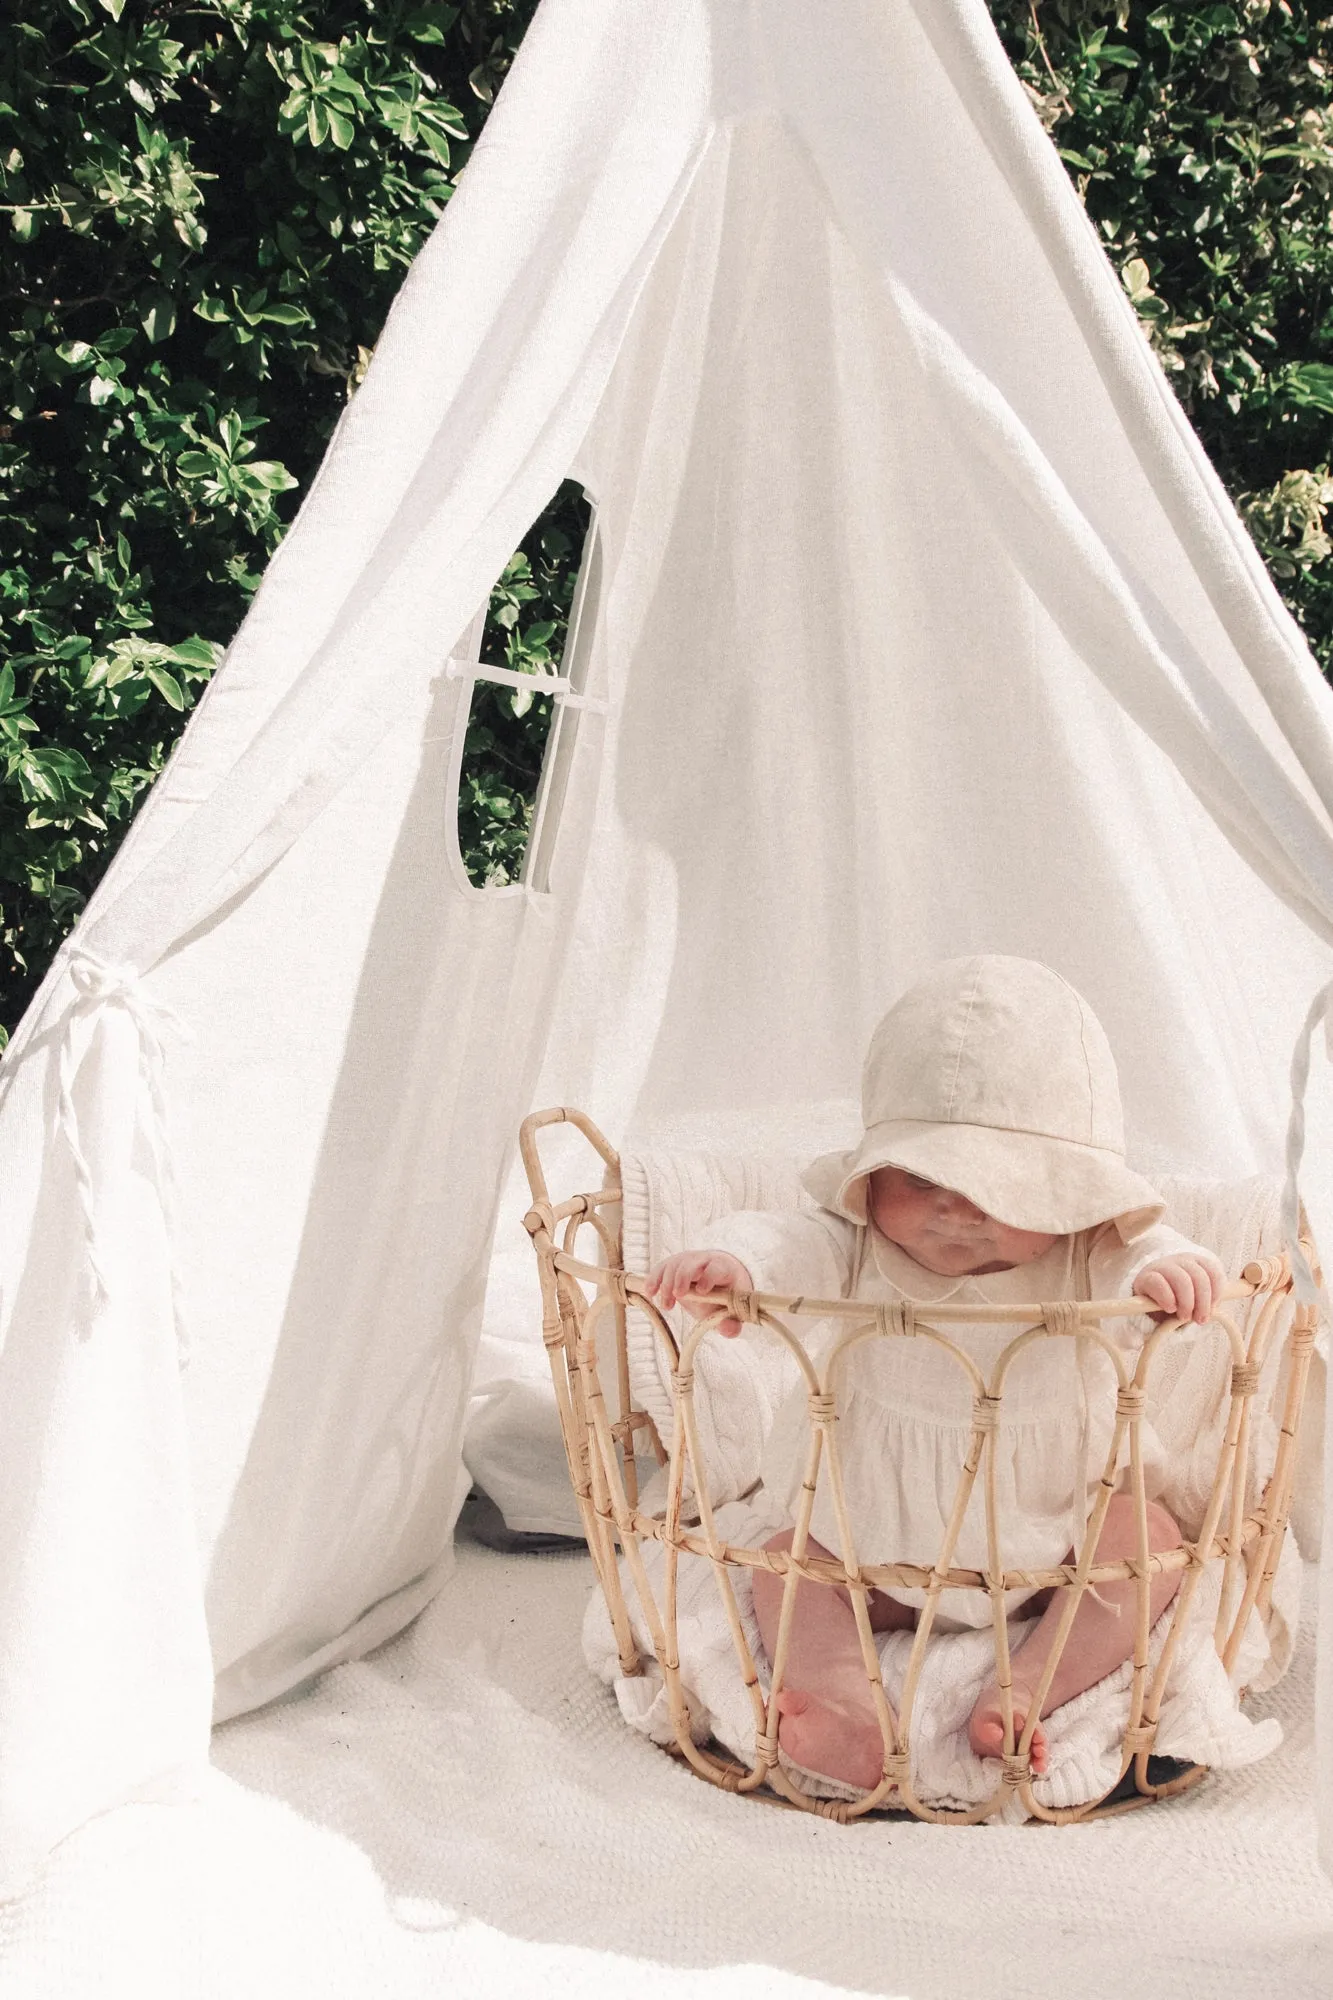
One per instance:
(1101, 1637)
(829, 1720)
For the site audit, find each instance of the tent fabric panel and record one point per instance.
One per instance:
(105, 1668)
(1264, 635)
(848, 695)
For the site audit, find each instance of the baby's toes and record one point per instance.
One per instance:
(986, 1731)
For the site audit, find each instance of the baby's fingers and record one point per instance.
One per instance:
(1185, 1287)
(719, 1272)
(671, 1278)
(1208, 1279)
(1153, 1285)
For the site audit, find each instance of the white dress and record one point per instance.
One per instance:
(905, 1404)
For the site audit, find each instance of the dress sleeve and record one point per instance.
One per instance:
(791, 1252)
(1113, 1265)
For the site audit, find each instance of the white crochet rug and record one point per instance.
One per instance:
(465, 1814)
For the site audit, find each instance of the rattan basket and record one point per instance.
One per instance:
(584, 1299)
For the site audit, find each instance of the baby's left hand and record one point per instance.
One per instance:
(1185, 1287)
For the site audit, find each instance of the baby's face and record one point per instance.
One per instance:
(945, 1232)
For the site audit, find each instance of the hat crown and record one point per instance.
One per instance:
(995, 1041)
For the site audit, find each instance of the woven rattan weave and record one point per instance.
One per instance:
(584, 1301)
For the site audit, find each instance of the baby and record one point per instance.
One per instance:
(991, 1170)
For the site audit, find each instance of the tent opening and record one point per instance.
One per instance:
(526, 652)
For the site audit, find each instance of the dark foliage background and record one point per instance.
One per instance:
(207, 209)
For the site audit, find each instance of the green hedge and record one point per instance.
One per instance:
(1201, 140)
(210, 206)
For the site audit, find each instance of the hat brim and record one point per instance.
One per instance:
(1026, 1180)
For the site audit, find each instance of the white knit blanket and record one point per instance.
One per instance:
(465, 1813)
(1201, 1720)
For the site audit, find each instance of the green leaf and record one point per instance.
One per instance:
(196, 652)
(437, 143)
(1137, 279)
(1309, 384)
(159, 322)
(290, 244)
(167, 685)
(271, 474)
(56, 775)
(125, 661)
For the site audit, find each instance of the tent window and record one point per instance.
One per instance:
(534, 633)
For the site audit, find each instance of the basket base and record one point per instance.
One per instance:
(1167, 1776)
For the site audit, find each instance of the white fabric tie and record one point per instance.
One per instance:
(98, 984)
(1303, 1277)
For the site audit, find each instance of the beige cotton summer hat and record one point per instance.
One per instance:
(993, 1077)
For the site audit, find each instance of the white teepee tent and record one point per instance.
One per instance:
(918, 624)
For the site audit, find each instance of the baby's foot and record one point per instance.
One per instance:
(837, 1739)
(985, 1732)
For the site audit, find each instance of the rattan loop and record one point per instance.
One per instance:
(740, 1305)
(823, 1409)
(897, 1766)
(1129, 1402)
(1244, 1378)
(1015, 1771)
(1060, 1316)
(1140, 1739)
(684, 1381)
(985, 1413)
(897, 1318)
(765, 1747)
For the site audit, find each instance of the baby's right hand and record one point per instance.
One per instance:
(693, 1271)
